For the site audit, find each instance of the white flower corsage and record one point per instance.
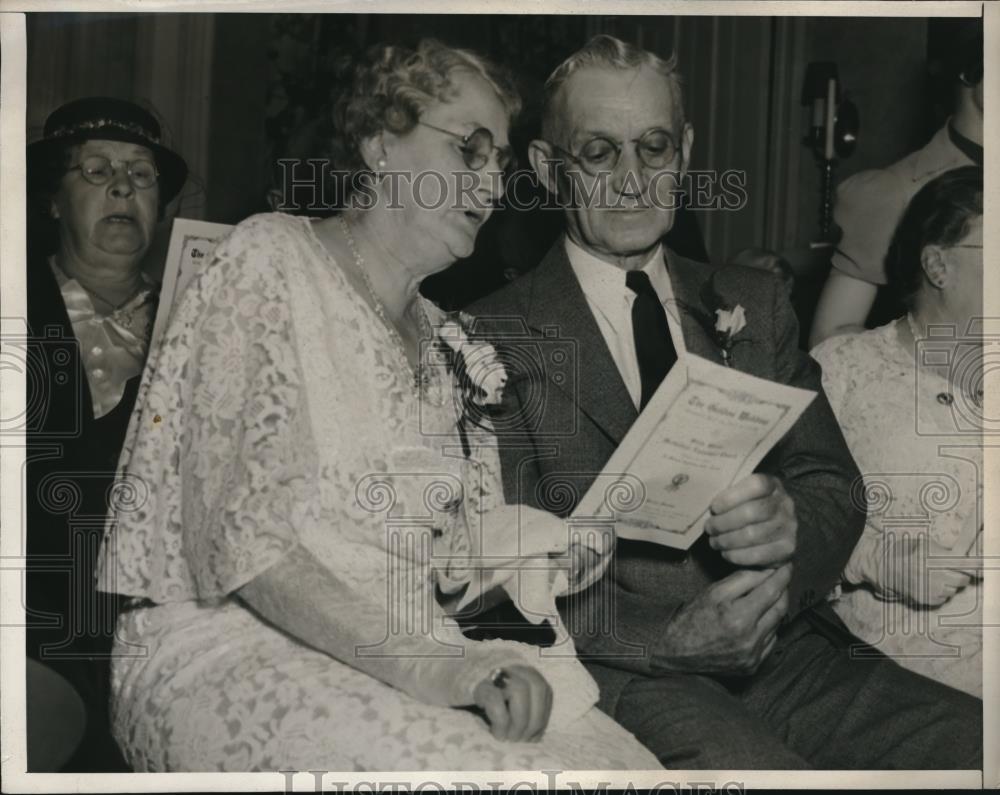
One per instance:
(729, 323)
(483, 368)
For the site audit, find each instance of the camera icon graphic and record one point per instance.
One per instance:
(954, 371)
(53, 384)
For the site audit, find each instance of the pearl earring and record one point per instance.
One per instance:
(381, 162)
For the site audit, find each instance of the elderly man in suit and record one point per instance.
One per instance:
(723, 656)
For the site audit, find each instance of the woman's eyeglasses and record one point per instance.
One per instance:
(655, 148)
(98, 170)
(477, 146)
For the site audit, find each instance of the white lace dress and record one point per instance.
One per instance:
(922, 473)
(279, 412)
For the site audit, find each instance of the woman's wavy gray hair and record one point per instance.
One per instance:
(391, 86)
(608, 52)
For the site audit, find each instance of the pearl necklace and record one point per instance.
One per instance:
(421, 377)
(975, 395)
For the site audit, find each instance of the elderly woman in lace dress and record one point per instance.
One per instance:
(908, 396)
(297, 507)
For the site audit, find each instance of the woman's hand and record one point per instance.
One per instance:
(517, 701)
(582, 562)
(908, 576)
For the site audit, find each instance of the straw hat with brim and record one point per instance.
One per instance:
(108, 119)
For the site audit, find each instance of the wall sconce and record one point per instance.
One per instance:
(832, 132)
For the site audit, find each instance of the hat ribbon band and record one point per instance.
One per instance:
(137, 129)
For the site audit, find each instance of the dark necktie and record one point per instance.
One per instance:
(653, 346)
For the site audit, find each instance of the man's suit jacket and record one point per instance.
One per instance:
(560, 422)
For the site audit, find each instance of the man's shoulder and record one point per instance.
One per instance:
(732, 283)
(512, 298)
(690, 268)
(507, 309)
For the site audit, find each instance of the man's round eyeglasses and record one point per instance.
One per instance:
(98, 170)
(655, 148)
(477, 146)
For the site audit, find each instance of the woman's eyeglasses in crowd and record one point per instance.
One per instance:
(98, 170)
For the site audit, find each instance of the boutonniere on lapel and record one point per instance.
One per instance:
(723, 321)
(728, 323)
(479, 372)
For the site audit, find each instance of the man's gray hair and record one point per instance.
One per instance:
(607, 52)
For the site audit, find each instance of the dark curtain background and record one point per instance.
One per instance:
(237, 91)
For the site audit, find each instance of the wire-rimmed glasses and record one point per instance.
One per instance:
(477, 146)
(98, 170)
(655, 149)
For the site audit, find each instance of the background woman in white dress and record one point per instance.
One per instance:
(909, 398)
(293, 499)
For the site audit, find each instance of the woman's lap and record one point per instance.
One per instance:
(224, 691)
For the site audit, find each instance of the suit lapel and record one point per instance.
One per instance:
(687, 278)
(557, 300)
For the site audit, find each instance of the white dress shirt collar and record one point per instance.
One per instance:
(604, 282)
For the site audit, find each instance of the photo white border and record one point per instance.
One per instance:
(12, 306)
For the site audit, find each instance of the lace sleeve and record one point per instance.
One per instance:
(219, 458)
